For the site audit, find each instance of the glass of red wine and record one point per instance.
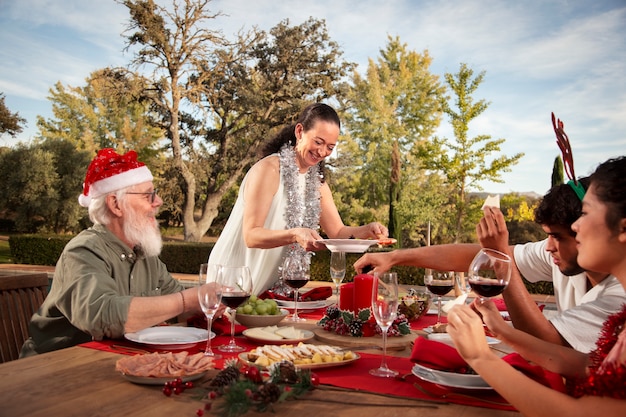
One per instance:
(236, 289)
(296, 274)
(439, 283)
(489, 273)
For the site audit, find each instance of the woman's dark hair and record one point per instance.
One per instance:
(560, 206)
(609, 184)
(308, 117)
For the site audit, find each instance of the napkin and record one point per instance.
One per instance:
(501, 305)
(220, 325)
(443, 357)
(314, 294)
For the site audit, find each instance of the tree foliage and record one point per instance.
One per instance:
(41, 183)
(557, 172)
(391, 111)
(466, 161)
(218, 101)
(10, 123)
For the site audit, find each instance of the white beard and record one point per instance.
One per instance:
(142, 232)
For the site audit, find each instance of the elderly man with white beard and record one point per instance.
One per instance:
(109, 280)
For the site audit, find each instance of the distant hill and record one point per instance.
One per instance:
(531, 194)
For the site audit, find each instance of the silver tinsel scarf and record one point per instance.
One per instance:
(299, 214)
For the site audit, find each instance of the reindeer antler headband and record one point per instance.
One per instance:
(568, 158)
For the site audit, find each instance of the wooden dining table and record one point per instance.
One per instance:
(82, 381)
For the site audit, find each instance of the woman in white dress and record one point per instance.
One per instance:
(283, 200)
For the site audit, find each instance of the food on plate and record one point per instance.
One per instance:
(414, 304)
(386, 241)
(164, 365)
(492, 201)
(440, 328)
(257, 306)
(275, 333)
(301, 354)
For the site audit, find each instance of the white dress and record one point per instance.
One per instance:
(230, 248)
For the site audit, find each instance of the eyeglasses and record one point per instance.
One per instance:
(152, 195)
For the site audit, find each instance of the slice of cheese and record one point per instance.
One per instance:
(259, 333)
(457, 301)
(492, 201)
(289, 333)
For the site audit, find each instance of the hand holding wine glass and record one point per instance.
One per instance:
(236, 289)
(337, 269)
(296, 274)
(385, 309)
(210, 297)
(489, 273)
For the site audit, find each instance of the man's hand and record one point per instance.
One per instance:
(491, 230)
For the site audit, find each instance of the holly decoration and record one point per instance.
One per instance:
(361, 324)
(238, 388)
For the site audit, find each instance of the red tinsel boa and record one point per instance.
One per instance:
(604, 379)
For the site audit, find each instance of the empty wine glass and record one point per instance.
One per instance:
(489, 273)
(236, 289)
(210, 297)
(296, 274)
(385, 309)
(337, 269)
(439, 283)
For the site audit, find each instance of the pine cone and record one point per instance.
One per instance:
(225, 377)
(356, 328)
(332, 312)
(268, 393)
(287, 372)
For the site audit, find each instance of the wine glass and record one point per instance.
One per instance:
(489, 273)
(439, 284)
(385, 309)
(236, 289)
(296, 274)
(210, 297)
(337, 269)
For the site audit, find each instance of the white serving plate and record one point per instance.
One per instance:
(348, 245)
(306, 335)
(445, 338)
(450, 379)
(244, 357)
(303, 305)
(148, 380)
(169, 337)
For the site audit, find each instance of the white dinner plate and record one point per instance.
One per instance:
(445, 338)
(348, 245)
(304, 305)
(450, 379)
(148, 380)
(169, 337)
(306, 335)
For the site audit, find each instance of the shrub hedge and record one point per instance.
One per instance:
(184, 258)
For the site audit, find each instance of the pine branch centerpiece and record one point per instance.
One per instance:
(360, 324)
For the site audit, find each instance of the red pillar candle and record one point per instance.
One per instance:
(363, 286)
(346, 296)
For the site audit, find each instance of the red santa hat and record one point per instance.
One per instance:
(109, 172)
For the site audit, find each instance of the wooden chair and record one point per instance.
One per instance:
(21, 296)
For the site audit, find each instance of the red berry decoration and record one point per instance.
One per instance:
(253, 374)
(200, 412)
(315, 379)
(167, 391)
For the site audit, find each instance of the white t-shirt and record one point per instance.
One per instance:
(581, 312)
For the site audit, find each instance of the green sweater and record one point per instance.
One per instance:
(94, 281)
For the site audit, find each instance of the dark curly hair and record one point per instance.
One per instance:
(560, 206)
(609, 185)
(308, 117)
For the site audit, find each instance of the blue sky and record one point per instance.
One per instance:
(566, 56)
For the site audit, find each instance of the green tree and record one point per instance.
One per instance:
(10, 123)
(392, 110)
(465, 161)
(219, 101)
(110, 111)
(41, 183)
(557, 172)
